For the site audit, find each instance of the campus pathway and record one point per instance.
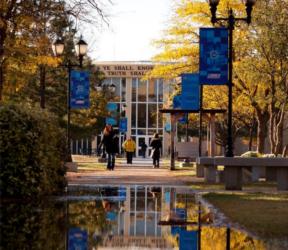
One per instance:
(141, 172)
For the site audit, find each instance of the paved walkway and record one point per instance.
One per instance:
(141, 172)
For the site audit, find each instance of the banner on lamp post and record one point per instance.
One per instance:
(190, 91)
(123, 125)
(214, 56)
(79, 90)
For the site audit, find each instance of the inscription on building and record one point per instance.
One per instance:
(125, 70)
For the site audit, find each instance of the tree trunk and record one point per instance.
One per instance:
(285, 151)
(262, 129)
(2, 39)
(251, 130)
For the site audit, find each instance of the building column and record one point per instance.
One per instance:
(127, 213)
(129, 105)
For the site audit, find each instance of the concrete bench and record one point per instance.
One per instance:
(206, 168)
(234, 166)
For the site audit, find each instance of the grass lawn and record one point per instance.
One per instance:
(91, 166)
(263, 214)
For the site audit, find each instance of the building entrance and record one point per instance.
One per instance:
(140, 141)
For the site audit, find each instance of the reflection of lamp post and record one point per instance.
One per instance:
(81, 50)
(231, 19)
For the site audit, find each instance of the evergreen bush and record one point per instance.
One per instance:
(32, 148)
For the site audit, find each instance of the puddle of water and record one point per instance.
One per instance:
(126, 217)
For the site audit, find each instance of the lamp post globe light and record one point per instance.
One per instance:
(81, 50)
(231, 19)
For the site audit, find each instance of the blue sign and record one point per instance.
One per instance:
(188, 240)
(111, 106)
(79, 92)
(177, 102)
(77, 239)
(167, 127)
(112, 121)
(213, 56)
(123, 125)
(111, 216)
(190, 92)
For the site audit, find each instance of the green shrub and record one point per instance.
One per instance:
(31, 152)
(251, 154)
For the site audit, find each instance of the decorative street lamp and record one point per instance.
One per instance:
(231, 19)
(81, 51)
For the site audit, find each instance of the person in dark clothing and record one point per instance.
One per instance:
(156, 146)
(109, 141)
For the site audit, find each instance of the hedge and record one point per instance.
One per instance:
(32, 148)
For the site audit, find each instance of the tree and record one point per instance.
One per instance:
(262, 70)
(260, 63)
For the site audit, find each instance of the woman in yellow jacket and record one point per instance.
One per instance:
(129, 146)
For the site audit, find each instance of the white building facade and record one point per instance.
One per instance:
(141, 100)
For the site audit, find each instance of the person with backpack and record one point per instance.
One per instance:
(129, 146)
(156, 146)
(109, 141)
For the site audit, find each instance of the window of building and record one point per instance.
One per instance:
(123, 90)
(142, 91)
(141, 115)
(152, 91)
(152, 115)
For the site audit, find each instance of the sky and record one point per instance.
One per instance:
(133, 24)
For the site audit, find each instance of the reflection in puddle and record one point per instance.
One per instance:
(126, 217)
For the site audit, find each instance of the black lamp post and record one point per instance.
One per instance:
(231, 19)
(81, 50)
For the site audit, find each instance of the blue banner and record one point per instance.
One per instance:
(111, 106)
(77, 239)
(167, 127)
(214, 56)
(188, 240)
(123, 125)
(111, 120)
(190, 92)
(177, 102)
(79, 90)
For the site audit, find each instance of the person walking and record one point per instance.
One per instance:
(143, 149)
(109, 141)
(129, 146)
(156, 146)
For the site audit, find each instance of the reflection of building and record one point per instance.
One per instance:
(142, 99)
(137, 223)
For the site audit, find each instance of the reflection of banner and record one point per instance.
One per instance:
(190, 91)
(79, 94)
(183, 119)
(77, 239)
(214, 56)
(179, 214)
(188, 240)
